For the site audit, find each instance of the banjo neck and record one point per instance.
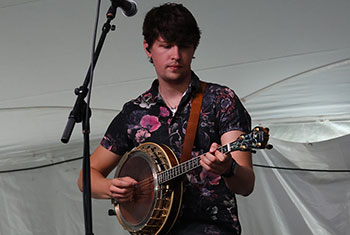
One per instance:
(246, 142)
(193, 163)
(178, 170)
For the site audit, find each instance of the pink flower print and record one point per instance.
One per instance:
(142, 135)
(164, 112)
(192, 179)
(149, 122)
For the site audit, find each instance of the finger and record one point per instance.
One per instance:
(125, 182)
(120, 192)
(217, 163)
(213, 168)
(122, 195)
(129, 179)
(213, 147)
(205, 166)
(221, 157)
(216, 158)
(205, 161)
(209, 162)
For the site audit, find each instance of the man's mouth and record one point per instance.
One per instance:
(175, 66)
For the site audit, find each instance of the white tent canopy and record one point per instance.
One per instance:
(289, 61)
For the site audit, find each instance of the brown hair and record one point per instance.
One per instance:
(174, 23)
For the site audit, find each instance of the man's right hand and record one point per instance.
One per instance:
(123, 189)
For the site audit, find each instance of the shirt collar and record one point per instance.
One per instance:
(193, 88)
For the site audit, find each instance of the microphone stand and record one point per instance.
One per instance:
(81, 113)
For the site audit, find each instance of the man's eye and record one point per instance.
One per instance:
(185, 46)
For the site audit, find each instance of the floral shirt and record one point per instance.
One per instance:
(148, 119)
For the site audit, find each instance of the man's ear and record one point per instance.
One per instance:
(147, 49)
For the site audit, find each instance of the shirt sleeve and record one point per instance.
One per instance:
(116, 138)
(231, 113)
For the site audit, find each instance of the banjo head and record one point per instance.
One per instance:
(151, 205)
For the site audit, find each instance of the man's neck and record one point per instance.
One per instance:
(172, 92)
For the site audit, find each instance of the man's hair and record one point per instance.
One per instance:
(174, 23)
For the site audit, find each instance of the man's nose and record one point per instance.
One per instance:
(175, 52)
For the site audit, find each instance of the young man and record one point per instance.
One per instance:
(160, 115)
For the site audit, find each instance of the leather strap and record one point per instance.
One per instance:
(192, 124)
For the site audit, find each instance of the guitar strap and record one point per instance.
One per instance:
(192, 124)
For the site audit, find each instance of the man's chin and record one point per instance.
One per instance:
(176, 78)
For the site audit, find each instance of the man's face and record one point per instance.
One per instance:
(171, 61)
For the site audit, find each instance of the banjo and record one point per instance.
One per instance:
(158, 194)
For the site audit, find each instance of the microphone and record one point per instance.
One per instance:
(129, 7)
